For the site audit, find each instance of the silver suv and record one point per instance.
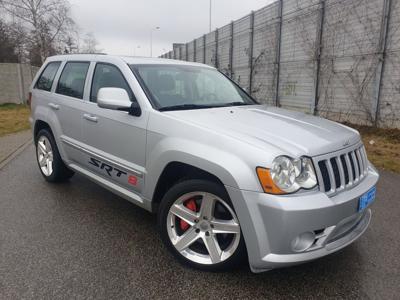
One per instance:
(228, 178)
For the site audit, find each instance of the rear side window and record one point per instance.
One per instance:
(46, 79)
(72, 79)
(106, 75)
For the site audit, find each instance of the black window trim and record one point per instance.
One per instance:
(86, 77)
(133, 99)
(55, 75)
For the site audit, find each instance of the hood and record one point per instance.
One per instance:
(290, 132)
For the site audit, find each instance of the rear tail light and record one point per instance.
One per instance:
(29, 100)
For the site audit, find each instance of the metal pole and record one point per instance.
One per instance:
(319, 53)
(187, 52)
(216, 49)
(210, 16)
(151, 43)
(251, 47)
(151, 40)
(231, 52)
(204, 49)
(278, 54)
(383, 46)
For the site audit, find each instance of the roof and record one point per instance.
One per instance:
(135, 60)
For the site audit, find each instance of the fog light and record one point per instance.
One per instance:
(303, 241)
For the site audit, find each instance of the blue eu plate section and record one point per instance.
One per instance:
(366, 199)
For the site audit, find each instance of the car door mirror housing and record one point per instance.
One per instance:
(117, 99)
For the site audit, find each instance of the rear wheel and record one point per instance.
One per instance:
(200, 227)
(48, 158)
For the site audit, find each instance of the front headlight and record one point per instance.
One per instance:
(287, 175)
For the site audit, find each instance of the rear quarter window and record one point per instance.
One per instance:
(46, 79)
(72, 79)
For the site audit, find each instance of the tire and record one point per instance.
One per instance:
(48, 158)
(214, 228)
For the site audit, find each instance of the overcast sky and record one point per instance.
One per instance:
(121, 26)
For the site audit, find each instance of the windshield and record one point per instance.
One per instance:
(175, 87)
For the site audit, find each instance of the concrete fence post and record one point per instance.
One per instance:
(382, 54)
(278, 53)
(20, 83)
(319, 45)
(204, 49)
(194, 50)
(251, 50)
(231, 52)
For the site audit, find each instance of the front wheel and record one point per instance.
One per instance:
(199, 226)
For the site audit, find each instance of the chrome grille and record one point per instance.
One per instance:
(341, 170)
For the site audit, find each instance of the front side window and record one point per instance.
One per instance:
(72, 79)
(106, 75)
(46, 79)
(188, 87)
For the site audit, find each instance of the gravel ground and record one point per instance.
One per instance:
(77, 240)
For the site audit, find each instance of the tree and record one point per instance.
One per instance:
(90, 44)
(47, 24)
(8, 48)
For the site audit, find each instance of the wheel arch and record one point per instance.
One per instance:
(39, 125)
(177, 171)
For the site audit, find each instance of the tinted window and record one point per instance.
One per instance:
(106, 75)
(72, 79)
(45, 80)
(179, 85)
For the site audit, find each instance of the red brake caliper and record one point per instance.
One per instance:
(190, 204)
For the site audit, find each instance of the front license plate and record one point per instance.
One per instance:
(366, 199)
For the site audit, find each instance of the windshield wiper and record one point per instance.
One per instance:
(185, 106)
(238, 103)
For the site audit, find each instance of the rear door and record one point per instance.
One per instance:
(42, 91)
(68, 108)
(115, 140)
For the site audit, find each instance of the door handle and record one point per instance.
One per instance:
(90, 118)
(54, 106)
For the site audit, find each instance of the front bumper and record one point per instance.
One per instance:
(271, 223)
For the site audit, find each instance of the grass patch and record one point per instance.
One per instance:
(13, 118)
(383, 146)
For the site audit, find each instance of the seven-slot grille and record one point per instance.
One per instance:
(342, 170)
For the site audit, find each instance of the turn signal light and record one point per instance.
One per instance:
(267, 183)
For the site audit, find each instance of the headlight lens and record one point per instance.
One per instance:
(287, 175)
(283, 172)
(307, 178)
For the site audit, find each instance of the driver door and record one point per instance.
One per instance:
(116, 140)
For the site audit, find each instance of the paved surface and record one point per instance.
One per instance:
(10, 142)
(77, 240)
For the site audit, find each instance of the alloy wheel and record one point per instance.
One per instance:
(203, 228)
(45, 155)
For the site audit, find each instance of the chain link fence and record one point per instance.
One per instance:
(335, 58)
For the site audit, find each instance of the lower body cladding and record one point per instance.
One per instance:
(281, 231)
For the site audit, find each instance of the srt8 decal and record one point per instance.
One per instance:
(109, 169)
(113, 171)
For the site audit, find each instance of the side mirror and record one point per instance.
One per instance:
(117, 99)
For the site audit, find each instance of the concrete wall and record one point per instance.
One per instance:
(15, 80)
(338, 59)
